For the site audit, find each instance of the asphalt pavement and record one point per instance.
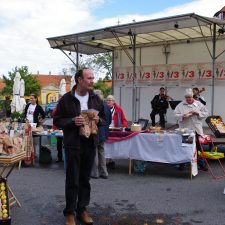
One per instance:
(161, 195)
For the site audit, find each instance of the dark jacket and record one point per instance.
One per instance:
(68, 108)
(159, 103)
(38, 111)
(103, 130)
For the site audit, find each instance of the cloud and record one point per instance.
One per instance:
(201, 7)
(26, 24)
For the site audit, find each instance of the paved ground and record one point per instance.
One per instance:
(162, 195)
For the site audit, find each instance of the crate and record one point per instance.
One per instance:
(217, 129)
(6, 221)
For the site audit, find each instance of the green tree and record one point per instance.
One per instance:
(31, 83)
(103, 61)
(100, 63)
(100, 85)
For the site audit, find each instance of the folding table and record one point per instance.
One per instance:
(8, 163)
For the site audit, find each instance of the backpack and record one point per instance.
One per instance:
(45, 156)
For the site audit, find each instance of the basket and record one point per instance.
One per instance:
(217, 125)
(212, 155)
(135, 127)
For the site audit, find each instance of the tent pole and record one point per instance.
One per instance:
(213, 67)
(77, 60)
(134, 78)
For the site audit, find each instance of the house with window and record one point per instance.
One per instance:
(50, 86)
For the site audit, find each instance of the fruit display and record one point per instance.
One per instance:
(217, 125)
(4, 203)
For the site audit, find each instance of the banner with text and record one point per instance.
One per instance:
(170, 75)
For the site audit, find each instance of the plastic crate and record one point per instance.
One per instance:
(217, 129)
(6, 221)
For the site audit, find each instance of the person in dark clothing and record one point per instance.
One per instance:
(99, 168)
(59, 141)
(79, 150)
(159, 106)
(33, 112)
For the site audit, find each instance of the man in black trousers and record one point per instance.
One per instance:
(79, 150)
(159, 106)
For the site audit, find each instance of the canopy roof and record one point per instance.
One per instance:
(151, 32)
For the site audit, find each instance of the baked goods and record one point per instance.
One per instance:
(89, 126)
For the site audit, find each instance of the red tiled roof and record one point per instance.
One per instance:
(2, 84)
(45, 80)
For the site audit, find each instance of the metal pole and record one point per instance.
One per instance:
(213, 67)
(134, 77)
(113, 63)
(77, 66)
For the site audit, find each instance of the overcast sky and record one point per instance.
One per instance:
(25, 25)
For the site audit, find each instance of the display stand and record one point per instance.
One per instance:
(8, 164)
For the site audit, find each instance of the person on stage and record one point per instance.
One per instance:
(197, 96)
(159, 106)
(79, 150)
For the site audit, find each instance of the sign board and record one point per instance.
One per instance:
(186, 75)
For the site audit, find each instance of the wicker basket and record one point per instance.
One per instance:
(135, 127)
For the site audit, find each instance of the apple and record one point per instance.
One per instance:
(4, 216)
(4, 206)
(3, 197)
(4, 211)
(4, 202)
(2, 188)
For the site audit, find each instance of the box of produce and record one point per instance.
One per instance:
(217, 125)
(4, 203)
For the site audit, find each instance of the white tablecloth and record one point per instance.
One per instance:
(164, 148)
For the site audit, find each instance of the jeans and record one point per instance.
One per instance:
(79, 163)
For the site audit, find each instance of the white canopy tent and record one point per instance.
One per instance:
(72, 82)
(163, 31)
(22, 92)
(17, 104)
(62, 87)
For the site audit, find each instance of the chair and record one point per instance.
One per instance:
(143, 123)
(214, 156)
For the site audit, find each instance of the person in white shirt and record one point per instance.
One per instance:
(190, 114)
(33, 112)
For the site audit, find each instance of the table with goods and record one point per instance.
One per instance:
(13, 146)
(153, 145)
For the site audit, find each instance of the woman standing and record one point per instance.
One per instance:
(33, 111)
